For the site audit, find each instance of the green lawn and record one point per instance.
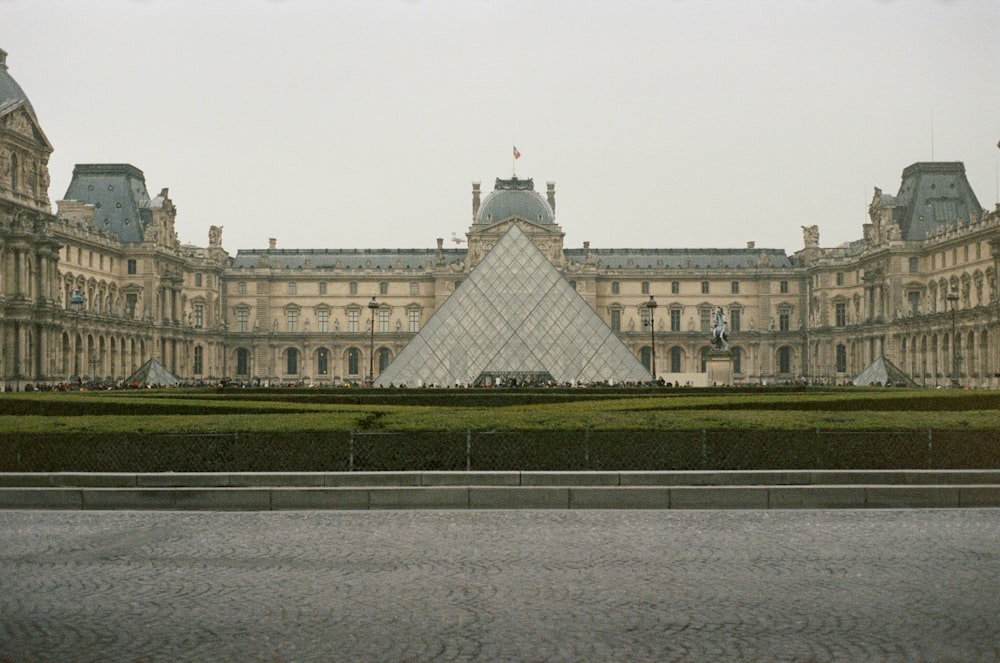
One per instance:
(295, 410)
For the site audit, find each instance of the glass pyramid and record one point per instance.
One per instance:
(514, 319)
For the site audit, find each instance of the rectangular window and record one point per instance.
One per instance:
(675, 287)
(242, 320)
(734, 319)
(383, 288)
(706, 320)
(199, 359)
(914, 300)
(353, 288)
(840, 278)
(841, 314)
(784, 321)
(616, 320)
(704, 287)
(199, 315)
(131, 301)
(645, 287)
(383, 320)
(292, 288)
(841, 358)
(323, 320)
(615, 288)
(292, 318)
(241, 288)
(734, 287)
(675, 320)
(414, 288)
(197, 279)
(322, 287)
(914, 264)
(644, 317)
(783, 287)
(414, 318)
(352, 320)
(132, 269)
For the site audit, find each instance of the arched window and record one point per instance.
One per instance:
(383, 359)
(841, 358)
(322, 361)
(645, 356)
(199, 359)
(292, 361)
(676, 356)
(243, 362)
(353, 361)
(14, 169)
(737, 360)
(784, 360)
(704, 359)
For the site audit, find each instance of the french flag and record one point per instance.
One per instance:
(517, 155)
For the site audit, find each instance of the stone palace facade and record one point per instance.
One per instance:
(95, 289)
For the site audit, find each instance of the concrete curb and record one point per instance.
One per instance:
(503, 490)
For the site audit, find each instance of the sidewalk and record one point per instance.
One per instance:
(827, 489)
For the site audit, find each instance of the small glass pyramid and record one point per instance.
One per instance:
(514, 320)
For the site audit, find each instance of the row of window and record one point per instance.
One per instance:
(675, 287)
(293, 287)
(705, 315)
(293, 361)
(323, 320)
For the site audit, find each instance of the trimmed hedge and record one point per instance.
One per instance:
(340, 451)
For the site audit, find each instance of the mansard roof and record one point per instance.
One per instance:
(118, 194)
(378, 259)
(514, 198)
(932, 195)
(680, 258)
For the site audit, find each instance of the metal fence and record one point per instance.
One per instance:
(470, 450)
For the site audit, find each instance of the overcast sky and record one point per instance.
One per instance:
(361, 124)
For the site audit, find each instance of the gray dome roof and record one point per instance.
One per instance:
(10, 92)
(514, 197)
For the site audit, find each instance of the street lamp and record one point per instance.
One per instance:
(76, 301)
(953, 298)
(651, 305)
(372, 308)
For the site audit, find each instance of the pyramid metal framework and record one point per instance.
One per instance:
(514, 318)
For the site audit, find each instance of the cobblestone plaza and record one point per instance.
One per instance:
(886, 585)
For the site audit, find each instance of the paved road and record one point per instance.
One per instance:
(500, 585)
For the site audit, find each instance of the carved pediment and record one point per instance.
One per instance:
(18, 120)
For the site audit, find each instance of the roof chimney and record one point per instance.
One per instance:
(475, 200)
(751, 245)
(550, 189)
(586, 244)
(272, 243)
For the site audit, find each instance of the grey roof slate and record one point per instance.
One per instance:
(380, 259)
(932, 195)
(118, 193)
(514, 197)
(681, 258)
(10, 92)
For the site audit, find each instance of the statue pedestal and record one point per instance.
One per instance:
(719, 367)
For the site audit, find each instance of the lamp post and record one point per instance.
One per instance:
(76, 301)
(651, 305)
(372, 308)
(952, 297)
(93, 367)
